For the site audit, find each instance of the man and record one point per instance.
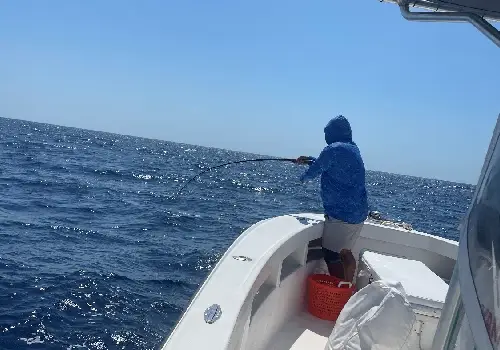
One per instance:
(343, 193)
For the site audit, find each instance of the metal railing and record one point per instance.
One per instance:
(477, 21)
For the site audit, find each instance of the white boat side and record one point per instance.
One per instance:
(254, 298)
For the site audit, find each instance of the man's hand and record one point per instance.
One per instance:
(303, 160)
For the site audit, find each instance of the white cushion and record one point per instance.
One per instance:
(377, 317)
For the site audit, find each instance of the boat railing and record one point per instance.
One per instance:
(452, 12)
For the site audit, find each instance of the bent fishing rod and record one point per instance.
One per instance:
(235, 162)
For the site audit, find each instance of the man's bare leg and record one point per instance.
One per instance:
(334, 262)
(336, 269)
(348, 264)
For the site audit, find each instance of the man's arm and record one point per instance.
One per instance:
(317, 166)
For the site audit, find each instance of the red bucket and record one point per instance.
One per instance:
(327, 295)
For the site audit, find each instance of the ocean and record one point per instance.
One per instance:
(97, 252)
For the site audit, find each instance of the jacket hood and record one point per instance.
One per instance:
(338, 130)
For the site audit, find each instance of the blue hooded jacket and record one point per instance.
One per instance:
(342, 172)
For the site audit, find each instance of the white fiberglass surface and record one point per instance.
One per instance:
(422, 286)
(302, 332)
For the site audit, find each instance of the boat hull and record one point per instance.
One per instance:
(259, 284)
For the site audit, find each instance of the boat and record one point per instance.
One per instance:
(255, 297)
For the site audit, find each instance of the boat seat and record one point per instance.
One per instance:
(422, 286)
(425, 291)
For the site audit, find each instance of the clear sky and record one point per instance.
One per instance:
(258, 76)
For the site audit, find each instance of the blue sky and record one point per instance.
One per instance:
(260, 76)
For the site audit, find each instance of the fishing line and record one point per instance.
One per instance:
(235, 162)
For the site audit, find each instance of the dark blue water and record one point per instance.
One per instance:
(96, 253)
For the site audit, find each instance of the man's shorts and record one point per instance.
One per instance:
(338, 235)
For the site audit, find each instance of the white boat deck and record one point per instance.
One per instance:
(303, 332)
(265, 275)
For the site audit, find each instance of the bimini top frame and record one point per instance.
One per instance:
(476, 12)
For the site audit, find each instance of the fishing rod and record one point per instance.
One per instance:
(235, 162)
